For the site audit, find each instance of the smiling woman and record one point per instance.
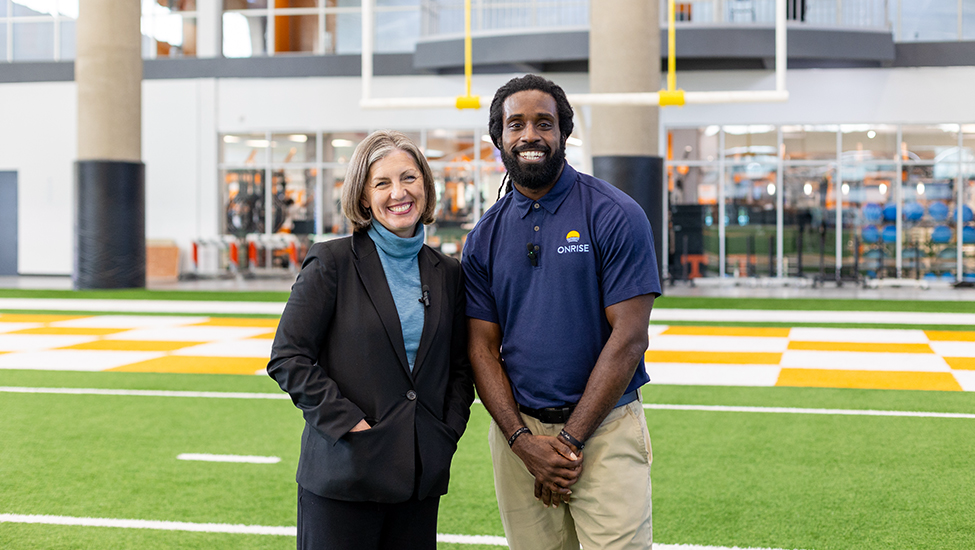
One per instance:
(382, 420)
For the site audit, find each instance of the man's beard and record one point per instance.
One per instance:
(534, 176)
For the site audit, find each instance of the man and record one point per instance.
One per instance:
(561, 277)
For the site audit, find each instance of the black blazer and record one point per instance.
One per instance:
(339, 353)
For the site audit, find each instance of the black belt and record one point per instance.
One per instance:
(560, 415)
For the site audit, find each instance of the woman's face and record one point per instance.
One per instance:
(394, 192)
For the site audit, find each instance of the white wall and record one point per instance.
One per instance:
(38, 140)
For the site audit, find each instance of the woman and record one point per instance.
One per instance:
(372, 347)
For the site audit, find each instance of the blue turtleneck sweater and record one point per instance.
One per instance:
(399, 259)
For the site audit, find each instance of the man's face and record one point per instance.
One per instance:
(532, 148)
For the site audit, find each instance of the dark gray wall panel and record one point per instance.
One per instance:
(935, 54)
(8, 223)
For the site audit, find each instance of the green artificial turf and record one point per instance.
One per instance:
(813, 304)
(815, 482)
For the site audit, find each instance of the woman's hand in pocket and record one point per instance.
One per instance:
(361, 426)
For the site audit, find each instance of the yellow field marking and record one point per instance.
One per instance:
(950, 336)
(727, 331)
(860, 346)
(265, 336)
(70, 331)
(862, 379)
(237, 322)
(132, 345)
(961, 363)
(198, 365)
(715, 357)
(38, 318)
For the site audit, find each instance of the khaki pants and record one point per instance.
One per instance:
(610, 506)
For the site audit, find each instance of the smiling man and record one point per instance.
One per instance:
(561, 277)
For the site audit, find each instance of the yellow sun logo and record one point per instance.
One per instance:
(572, 237)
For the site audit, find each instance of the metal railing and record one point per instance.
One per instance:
(446, 17)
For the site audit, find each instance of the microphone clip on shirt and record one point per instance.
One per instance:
(533, 254)
(425, 298)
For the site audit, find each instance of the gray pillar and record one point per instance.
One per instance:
(110, 249)
(624, 56)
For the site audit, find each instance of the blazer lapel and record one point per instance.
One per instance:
(370, 269)
(431, 275)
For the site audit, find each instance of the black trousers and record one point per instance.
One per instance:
(328, 524)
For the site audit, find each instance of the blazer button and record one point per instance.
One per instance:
(411, 395)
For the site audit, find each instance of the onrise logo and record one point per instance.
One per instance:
(573, 237)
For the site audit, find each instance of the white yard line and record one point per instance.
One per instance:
(142, 306)
(229, 458)
(786, 410)
(660, 314)
(707, 408)
(784, 316)
(147, 393)
(483, 540)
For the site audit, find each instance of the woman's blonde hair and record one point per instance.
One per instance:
(377, 146)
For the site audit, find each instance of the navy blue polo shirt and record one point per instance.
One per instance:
(595, 249)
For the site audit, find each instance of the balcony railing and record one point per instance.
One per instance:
(446, 17)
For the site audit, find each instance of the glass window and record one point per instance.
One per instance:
(338, 147)
(693, 239)
(296, 33)
(750, 190)
(243, 195)
(293, 148)
(750, 142)
(34, 8)
(805, 214)
(397, 31)
(68, 38)
(244, 35)
(243, 149)
(3, 42)
(928, 21)
(244, 4)
(925, 143)
(344, 35)
(33, 41)
(864, 142)
(809, 142)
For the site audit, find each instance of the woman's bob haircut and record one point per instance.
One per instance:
(378, 145)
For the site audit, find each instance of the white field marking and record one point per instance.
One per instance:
(74, 359)
(859, 335)
(142, 306)
(745, 344)
(965, 378)
(787, 410)
(129, 321)
(229, 348)
(698, 374)
(773, 316)
(953, 349)
(859, 360)
(229, 458)
(484, 540)
(147, 393)
(202, 334)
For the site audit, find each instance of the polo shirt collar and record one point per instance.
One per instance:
(553, 199)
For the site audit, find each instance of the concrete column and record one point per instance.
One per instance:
(624, 56)
(109, 174)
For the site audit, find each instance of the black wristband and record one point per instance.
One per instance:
(575, 442)
(517, 434)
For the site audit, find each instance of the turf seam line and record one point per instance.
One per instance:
(146, 393)
(791, 410)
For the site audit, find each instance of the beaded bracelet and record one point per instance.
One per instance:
(517, 434)
(575, 442)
